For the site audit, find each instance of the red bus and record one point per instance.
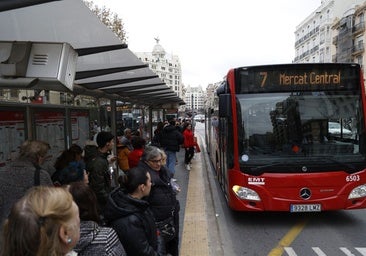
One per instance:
(290, 137)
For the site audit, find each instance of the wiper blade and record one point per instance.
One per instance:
(259, 169)
(350, 168)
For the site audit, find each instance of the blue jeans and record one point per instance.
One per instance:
(170, 161)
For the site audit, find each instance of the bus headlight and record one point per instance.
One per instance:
(246, 193)
(358, 192)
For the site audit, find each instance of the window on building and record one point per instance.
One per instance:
(362, 18)
(321, 55)
(360, 44)
(359, 60)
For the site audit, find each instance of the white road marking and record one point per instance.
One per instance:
(346, 251)
(318, 251)
(362, 250)
(290, 251)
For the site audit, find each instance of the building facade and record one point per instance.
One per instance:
(195, 99)
(334, 32)
(349, 35)
(313, 37)
(166, 66)
(211, 100)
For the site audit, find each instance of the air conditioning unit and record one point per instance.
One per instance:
(37, 65)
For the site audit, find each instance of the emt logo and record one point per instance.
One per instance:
(256, 181)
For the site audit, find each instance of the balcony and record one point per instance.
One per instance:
(358, 49)
(314, 49)
(358, 28)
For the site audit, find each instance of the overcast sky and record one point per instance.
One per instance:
(212, 36)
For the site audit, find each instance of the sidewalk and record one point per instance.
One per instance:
(197, 217)
(194, 236)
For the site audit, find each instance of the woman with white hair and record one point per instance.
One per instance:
(162, 198)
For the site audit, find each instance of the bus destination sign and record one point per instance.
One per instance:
(279, 79)
(312, 78)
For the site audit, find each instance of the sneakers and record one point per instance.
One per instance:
(188, 167)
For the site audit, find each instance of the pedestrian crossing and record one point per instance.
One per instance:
(356, 251)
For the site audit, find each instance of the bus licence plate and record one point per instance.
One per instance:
(305, 208)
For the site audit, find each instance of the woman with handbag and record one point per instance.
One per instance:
(162, 198)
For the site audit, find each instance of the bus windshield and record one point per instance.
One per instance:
(299, 125)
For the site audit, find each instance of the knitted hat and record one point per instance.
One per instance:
(103, 138)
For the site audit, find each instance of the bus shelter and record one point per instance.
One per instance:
(107, 78)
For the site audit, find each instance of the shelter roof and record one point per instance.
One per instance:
(105, 66)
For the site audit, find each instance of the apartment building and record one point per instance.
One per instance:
(313, 36)
(166, 66)
(195, 99)
(349, 35)
(334, 32)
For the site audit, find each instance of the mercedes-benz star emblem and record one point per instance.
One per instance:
(305, 193)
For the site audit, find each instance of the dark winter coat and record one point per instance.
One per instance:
(96, 240)
(15, 180)
(100, 177)
(171, 138)
(134, 223)
(162, 197)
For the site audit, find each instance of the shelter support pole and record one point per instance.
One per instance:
(150, 123)
(114, 131)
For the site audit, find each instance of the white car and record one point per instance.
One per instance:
(334, 129)
(199, 118)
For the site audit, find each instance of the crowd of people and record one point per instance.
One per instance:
(81, 207)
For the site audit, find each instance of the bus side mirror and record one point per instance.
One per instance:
(224, 105)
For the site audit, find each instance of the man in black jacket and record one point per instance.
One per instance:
(99, 175)
(170, 140)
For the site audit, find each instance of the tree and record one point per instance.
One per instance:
(110, 19)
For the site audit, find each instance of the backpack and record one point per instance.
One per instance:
(156, 140)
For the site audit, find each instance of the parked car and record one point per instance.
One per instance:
(199, 118)
(335, 129)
